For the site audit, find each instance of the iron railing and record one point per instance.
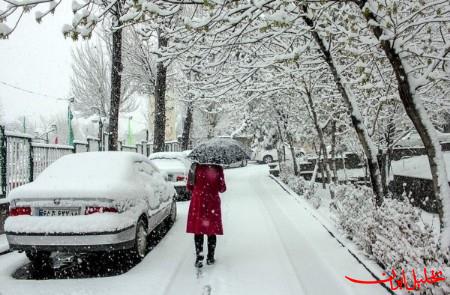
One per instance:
(22, 159)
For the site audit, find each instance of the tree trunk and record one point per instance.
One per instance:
(116, 86)
(285, 128)
(333, 150)
(323, 147)
(280, 134)
(314, 175)
(321, 165)
(358, 125)
(294, 160)
(416, 112)
(345, 169)
(159, 132)
(187, 127)
(382, 162)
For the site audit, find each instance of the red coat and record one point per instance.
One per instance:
(205, 216)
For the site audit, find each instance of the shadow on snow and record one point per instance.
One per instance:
(82, 266)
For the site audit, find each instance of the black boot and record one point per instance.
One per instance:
(212, 240)
(210, 260)
(199, 250)
(199, 261)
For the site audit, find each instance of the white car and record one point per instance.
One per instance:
(267, 156)
(95, 201)
(176, 166)
(238, 164)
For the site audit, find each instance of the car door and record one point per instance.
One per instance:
(151, 196)
(161, 191)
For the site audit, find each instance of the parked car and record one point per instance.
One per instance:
(176, 165)
(238, 164)
(266, 156)
(96, 201)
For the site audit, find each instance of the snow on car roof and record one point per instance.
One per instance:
(91, 174)
(168, 155)
(170, 164)
(92, 164)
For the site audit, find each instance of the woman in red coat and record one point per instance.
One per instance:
(205, 181)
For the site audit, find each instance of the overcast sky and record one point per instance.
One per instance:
(37, 57)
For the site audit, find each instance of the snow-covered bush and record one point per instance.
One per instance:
(310, 194)
(394, 234)
(354, 214)
(299, 185)
(404, 242)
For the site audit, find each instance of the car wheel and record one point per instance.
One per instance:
(139, 249)
(267, 159)
(39, 258)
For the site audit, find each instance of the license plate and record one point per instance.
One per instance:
(59, 212)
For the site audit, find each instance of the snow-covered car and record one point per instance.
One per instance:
(266, 156)
(96, 201)
(176, 166)
(238, 164)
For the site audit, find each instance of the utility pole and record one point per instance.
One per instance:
(100, 134)
(70, 136)
(130, 136)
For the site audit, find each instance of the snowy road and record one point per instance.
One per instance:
(272, 245)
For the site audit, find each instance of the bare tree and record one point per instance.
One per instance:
(91, 82)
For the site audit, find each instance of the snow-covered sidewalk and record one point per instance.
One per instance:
(3, 244)
(272, 245)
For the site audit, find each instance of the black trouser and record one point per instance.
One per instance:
(199, 239)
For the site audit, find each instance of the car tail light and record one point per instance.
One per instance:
(19, 211)
(92, 210)
(180, 177)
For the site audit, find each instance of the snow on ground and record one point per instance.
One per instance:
(272, 245)
(417, 166)
(3, 244)
(349, 174)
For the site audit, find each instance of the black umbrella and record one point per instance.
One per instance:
(222, 151)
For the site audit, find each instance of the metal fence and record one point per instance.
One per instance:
(17, 157)
(22, 160)
(45, 154)
(172, 146)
